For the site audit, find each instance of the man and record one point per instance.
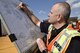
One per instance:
(57, 22)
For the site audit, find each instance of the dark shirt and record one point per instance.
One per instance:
(74, 46)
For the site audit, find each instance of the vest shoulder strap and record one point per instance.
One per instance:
(72, 32)
(50, 28)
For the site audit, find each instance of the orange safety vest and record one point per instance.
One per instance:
(49, 45)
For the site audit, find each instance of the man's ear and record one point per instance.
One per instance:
(58, 17)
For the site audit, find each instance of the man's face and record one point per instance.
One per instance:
(53, 15)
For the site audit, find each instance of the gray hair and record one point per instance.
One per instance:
(66, 10)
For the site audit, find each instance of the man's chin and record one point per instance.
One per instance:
(49, 21)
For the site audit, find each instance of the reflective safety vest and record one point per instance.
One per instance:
(61, 42)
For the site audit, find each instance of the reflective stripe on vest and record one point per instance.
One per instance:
(60, 43)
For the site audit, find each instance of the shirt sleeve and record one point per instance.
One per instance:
(44, 27)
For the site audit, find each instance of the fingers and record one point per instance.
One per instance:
(41, 44)
(21, 5)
